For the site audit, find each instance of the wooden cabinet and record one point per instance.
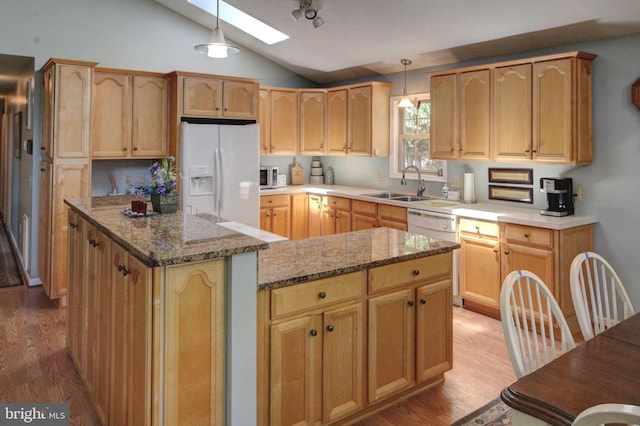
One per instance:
(275, 214)
(315, 215)
(337, 120)
(282, 115)
(65, 169)
(367, 215)
(299, 216)
(130, 115)
(410, 325)
(210, 97)
(541, 110)
(336, 215)
(312, 121)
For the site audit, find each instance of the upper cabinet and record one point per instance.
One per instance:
(537, 109)
(130, 115)
(219, 98)
(346, 120)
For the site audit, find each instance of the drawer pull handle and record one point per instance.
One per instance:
(416, 272)
(124, 270)
(423, 301)
(410, 303)
(314, 333)
(495, 250)
(526, 235)
(322, 295)
(329, 328)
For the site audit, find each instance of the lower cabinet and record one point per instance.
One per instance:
(338, 349)
(367, 215)
(275, 214)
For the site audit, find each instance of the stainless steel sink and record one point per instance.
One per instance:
(409, 198)
(385, 195)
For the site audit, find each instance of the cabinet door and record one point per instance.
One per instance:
(434, 330)
(337, 121)
(512, 113)
(280, 223)
(121, 317)
(100, 259)
(295, 359)
(239, 99)
(538, 261)
(342, 363)
(72, 120)
(315, 215)
(265, 219)
(359, 222)
(194, 311)
(444, 117)
(284, 122)
(150, 125)
(552, 110)
(264, 120)
(343, 221)
(480, 277)
(391, 356)
(312, 123)
(299, 216)
(111, 115)
(359, 121)
(75, 322)
(48, 108)
(201, 97)
(44, 226)
(475, 95)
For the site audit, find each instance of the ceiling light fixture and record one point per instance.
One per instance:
(310, 9)
(217, 47)
(405, 102)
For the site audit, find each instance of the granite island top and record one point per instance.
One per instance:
(165, 239)
(292, 262)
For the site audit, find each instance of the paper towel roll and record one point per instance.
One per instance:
(469, 188)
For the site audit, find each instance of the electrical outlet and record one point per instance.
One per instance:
(127, 180)
(141, 179)
(578, 192)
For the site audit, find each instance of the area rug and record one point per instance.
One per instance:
(9, 275)
(495, 413)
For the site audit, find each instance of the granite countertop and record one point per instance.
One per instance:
(164, 239)
(291, 262)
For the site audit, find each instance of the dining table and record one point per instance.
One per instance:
(604, 369)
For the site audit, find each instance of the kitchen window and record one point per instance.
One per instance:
(410, 140)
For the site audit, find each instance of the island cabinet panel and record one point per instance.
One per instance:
(194, 344)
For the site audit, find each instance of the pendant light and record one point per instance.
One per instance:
(405, 102)
(217, 47)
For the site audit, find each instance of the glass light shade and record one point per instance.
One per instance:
(405, 103)
(217, 47)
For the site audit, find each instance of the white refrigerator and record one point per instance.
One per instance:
(220, 170)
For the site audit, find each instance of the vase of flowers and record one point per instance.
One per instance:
(164, 197)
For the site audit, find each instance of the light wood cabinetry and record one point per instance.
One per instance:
(541, 110)
(275, 214)
(337, 120)
(65, 169)
(409, 329)
(367, 215)
(282, 115)
(299, 216)
(336, 215)
(315, 215)
(312, 121)
(212, 97)
(490, 251)
(130, 117)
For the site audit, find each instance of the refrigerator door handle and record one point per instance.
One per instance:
(218, 174)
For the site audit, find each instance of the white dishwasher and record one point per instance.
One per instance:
(441, 226)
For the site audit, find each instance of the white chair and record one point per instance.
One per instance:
(599, 297)
(529, 313)
(608, 413)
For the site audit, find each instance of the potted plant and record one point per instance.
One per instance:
(164, 197)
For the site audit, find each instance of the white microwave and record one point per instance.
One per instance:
(268, 177)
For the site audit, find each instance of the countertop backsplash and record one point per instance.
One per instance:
(121, 170)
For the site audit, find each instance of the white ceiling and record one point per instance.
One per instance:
(362, 38)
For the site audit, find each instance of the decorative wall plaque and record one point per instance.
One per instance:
(519, 176)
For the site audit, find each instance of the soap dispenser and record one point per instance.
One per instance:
(445, 191)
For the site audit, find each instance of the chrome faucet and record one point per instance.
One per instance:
(403, 181)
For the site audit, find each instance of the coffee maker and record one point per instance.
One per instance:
(559, 196)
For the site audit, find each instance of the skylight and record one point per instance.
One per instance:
(242, 21)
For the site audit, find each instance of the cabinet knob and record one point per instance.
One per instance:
(42, 148)
(478, 229)
(314, 333)
(506, 252)
(526, 235)
(329, 328)
(42, 170)
(495, 250)
(410, 303)
(135, 148)
(526, 151)
(535, 151)
(423, 301)
(322, 295)
(124, 149)
(416, 272)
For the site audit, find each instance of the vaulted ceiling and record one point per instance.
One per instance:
(363, 38)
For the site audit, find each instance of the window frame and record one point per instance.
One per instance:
(394, 142)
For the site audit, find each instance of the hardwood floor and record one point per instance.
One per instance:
(35, 367)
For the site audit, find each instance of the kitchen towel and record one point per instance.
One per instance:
(469, 188)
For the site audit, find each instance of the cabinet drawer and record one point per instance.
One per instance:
(479, 227)
(274, 200)
(366, 208)
(394, 213)
(527, 235)
(305, 297)
(338, 203)
(410, 272)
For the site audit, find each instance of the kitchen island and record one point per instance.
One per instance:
(351, 323)
(161, 316)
